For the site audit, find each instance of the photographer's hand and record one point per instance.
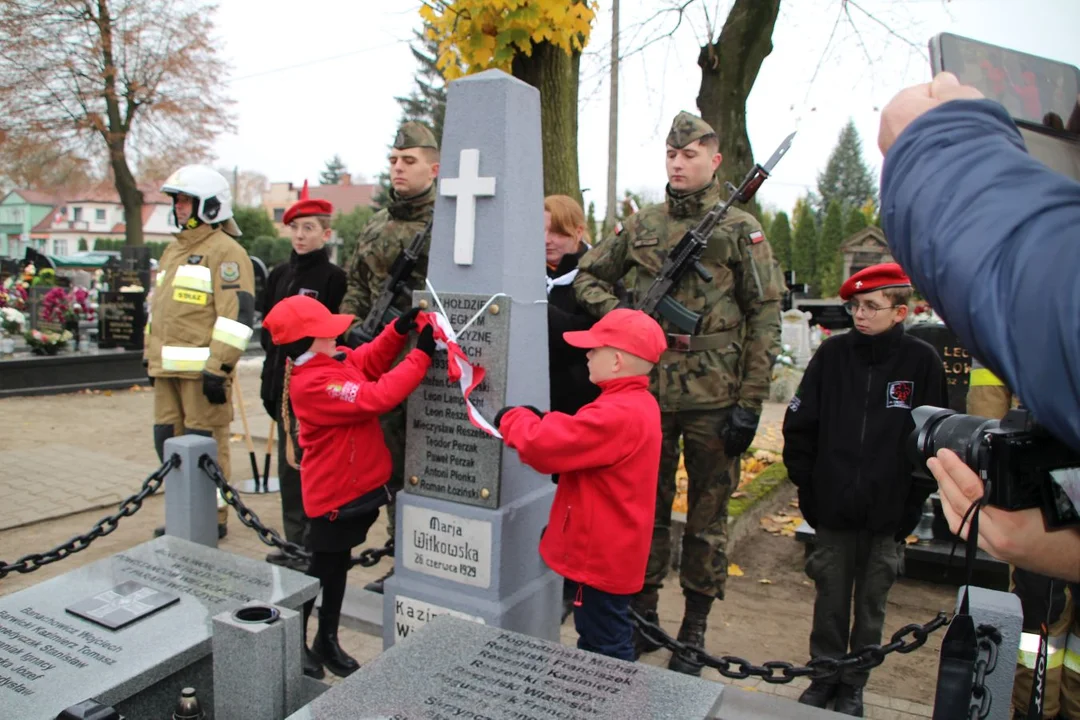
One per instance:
(912, 102)
(1018, 537)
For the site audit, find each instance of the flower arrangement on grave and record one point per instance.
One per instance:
(67, 307)
(46, 343)
(45, 278)
(13, 294)
(11, 320)
(923, 313)
(785, 359)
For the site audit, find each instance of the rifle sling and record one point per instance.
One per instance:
(696, 343)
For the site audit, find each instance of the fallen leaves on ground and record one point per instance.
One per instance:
(780, 523)
(765, 581)
(734, 570)
(911, 540)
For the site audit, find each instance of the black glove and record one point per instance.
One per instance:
(426, 342)
(406, 322)
(739, 432)
(807, 506)
(146, 369)
(213, 387)
(508, 408)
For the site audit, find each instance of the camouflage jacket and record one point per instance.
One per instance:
(386, 234)
(740, 321)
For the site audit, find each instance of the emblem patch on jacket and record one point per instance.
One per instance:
(793, 406)
(194, 259)
(345, 392)
(309, 293)
(230, 271)
(899, 394)
(756, 237)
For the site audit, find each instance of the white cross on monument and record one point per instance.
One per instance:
(466, 188)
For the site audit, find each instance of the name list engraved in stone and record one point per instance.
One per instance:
(446, 456)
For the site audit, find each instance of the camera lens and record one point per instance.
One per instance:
(940, 428)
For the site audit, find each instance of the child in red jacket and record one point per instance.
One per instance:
(606, 455)
(337, 396)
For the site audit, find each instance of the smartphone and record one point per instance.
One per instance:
(1033, 89)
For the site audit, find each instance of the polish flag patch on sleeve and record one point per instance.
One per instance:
(756, 237)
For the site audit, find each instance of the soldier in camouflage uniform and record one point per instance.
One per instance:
(414, 165)
(710, 385)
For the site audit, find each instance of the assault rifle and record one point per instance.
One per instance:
(686, 256)
(383, 311)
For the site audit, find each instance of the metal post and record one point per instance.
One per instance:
(190, 495)
(1002, 610)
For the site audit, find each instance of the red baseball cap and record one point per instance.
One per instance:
(629, 330)
(305, 206)
(299, 316)
(875, 277)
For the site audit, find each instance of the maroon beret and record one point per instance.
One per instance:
(875, 277)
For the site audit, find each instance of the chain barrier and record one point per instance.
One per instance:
(778, 671)
(981, 697)
(367, 558)
(130, 506)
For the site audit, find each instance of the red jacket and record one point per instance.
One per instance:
(607, 456)
(338, 403)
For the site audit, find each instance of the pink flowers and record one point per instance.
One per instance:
(63, 306)
(13, 296)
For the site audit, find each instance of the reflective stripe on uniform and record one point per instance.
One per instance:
(1072, 653)
(193, 277)
(231, 332)
(146, 330)
(1055, 650)
(982, 376)
(184, 359)
(160, 279)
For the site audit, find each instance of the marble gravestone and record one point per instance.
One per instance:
(795, 333)
(130, 630)
(470, 518)
(955, 359)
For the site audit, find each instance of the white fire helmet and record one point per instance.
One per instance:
(213, 196)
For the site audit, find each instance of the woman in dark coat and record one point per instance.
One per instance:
(565, 241)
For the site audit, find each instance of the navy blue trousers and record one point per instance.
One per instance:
(602, 621)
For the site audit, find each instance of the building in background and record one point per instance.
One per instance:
(345, 197)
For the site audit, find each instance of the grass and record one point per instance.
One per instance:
(766, 482)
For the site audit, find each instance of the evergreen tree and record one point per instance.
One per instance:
(591, 226)
(846, 177)
(829, 262)
(856, 221)
(335, 168)
(427, 102)
(804, 247)
(780, 239)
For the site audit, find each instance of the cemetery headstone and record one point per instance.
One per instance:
(470, 519)
(954, 358)
(121, 320)
(829, 314)
(795, 333)
(130, 630)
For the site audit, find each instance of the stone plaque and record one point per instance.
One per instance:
(122, 605)
(453, 668)
(954, 358)
(411, 614)
(51, 659)
(122, 319)
(446, 456)
(447, 546)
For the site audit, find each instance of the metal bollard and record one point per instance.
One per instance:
(1003, 611)
(257, 663)
(190, 495)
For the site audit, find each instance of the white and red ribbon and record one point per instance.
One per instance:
(466, 374)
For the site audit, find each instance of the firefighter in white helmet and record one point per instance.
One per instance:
(201, 316)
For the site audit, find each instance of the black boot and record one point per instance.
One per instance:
(818, 694)
(692, 632)
(644, 603)
(848, 700)
(376, 586)
(327, 649)
(310, 662)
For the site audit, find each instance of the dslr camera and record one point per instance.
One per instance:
(1021, 465)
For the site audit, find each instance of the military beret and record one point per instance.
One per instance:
(414, 134)
(306, 207)
(875, 277)
(687, 128)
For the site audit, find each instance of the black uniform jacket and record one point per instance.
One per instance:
(311, 274)
(567, 366)
(847, 429)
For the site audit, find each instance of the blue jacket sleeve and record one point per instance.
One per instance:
(992, 238)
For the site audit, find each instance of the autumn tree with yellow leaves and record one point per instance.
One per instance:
(537, 41)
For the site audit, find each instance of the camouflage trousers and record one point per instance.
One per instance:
(393, 427)
(703, 564)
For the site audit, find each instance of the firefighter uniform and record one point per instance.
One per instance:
(201, 316)
(1043, 599)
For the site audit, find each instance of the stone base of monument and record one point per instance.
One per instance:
(131, 630)
(930, 562)
(71, 372)
(455, 668)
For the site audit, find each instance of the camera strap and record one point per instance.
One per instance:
(960, 646)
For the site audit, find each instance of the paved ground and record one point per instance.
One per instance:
(61, 455)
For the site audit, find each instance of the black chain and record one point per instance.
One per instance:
(778, 671)
(130, 506)
(989, 640)
(367, 558)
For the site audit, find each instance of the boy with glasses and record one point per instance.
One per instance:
(845, 434)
